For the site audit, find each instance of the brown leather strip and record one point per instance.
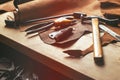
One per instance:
(106, 39)
(110, 8)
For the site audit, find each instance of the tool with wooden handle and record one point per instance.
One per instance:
(98, 53)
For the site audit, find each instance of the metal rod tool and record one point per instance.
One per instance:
(112, 33)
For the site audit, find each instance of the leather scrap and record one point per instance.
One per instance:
(79, 30)
(105, 40)
(4, 5)
(3, 1)
(110, 8)
(45, 8)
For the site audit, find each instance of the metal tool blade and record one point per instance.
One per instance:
(53, 34)
(111, 32)
(39, 29)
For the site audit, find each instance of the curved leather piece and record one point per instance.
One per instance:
(105, 40)
(43, 8)
(79, 30)
(90, 7)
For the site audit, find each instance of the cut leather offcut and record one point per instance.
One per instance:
(44, 8)
(105, 40)
(8, 6)
(110, 8)
(79, 30)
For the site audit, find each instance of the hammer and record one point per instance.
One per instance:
(98, 52)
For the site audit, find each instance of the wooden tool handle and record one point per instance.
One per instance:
(98, 53)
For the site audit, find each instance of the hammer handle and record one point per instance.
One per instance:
(98, 53)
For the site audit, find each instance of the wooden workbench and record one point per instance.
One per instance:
(82, 68)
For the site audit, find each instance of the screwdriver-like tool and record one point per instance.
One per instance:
(112, 33)
(98, 53)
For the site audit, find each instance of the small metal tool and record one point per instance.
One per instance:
(112, 22)
(75, 15)
(4, 1)
(39, 29)
(112, 33)
(38, 25)
(58, 24)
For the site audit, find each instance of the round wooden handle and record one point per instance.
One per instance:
(98, 53)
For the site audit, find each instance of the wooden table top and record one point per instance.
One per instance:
(53, 57)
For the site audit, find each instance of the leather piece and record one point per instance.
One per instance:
(105, 40)
(51, 7)
(44, 8)
(86, 7)
(79, 30)
(110, 8)
(5, 8)
(3, 1)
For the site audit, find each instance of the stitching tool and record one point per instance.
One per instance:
(59, 23)
(75, 15)
(40, 29)
(112, 33)
(35, 26)
(15, 23)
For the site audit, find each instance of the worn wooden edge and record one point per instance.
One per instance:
(54, 65)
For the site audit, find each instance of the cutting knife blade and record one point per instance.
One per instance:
(111, 32)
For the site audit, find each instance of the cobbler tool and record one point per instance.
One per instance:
(59, 23)
(102, 26)
(40, 24)
(14, 23)
(75, 15)
(112, 22)
(112, 33)
(39, 29)
(98, 53)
